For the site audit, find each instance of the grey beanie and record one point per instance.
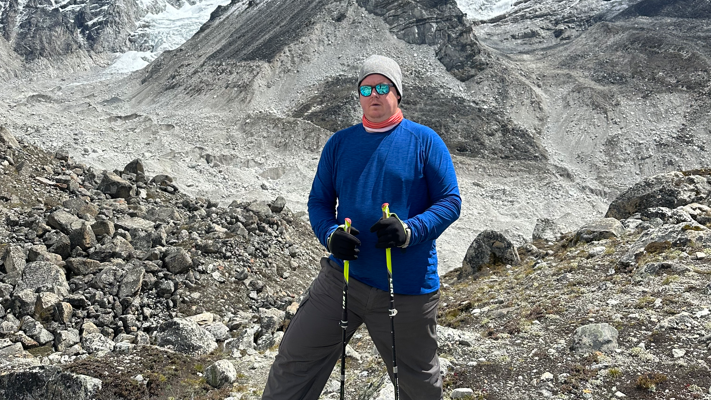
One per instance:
(384, 66)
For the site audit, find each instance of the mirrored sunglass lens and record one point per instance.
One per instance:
(382, 88)
(365, 90)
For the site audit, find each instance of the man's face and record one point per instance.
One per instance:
(378, 107)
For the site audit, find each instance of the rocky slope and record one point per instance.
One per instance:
(115, 285)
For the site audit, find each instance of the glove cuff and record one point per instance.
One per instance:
(328, 241)
(408, 232)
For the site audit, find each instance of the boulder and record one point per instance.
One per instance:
(7, 139)
(65, 339)
(489, 247)
(670, 190)
(44, 305)
(136, 167)
(177, 260)
(81, 207)
(605, 228)
(23, 302)
(278, 205)
(131, 282)
(48, 382)
(546, 229)
(102, 228)
(117, 248)
(220, 373)
(218, 330)
(62, 313)
(595, 337)
(14, 262)
(164, 214)
(64, 221)
(270, 320)
(185, 336)
(44, 276)
(116, 187)
(96, 342)
(58, 243)
(83, 237)
(83, 266)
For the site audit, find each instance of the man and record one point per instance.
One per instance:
(386, 159)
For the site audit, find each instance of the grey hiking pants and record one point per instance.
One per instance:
(312, 343)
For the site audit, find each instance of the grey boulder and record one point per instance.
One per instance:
(185, 336)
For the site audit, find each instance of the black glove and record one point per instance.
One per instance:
(344, 245)
(391, 232)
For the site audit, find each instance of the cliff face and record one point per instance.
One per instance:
(43, 29)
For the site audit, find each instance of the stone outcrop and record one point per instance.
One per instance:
(670, 190)
(489, 248)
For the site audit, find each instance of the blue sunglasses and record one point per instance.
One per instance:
(380, 88)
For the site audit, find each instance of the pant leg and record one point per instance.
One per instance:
(416, 342)
(312, 343)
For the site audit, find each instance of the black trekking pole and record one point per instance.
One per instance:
(344, 317)
(392, 311)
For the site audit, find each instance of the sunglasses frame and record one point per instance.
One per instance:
(375, 87)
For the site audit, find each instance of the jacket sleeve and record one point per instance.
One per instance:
(445, 201)
(323, 196)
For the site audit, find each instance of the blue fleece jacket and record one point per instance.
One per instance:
(408, 167)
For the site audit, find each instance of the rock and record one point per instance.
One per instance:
(489, 247)
(546, 229)
(89, 328)
(185, 336)
(39, 253)
(136, 167)
(260, 208)
(7, 139)
(83, 237)
(108, 279)
(131, 282)
(58, 243)
(595, 337)
(671, 190)
(605, 228)
(271, 320)
(219, 331)
(83, 266)
(462, 393)
(23, 302)
(81, 207)
(96, 342)
(14, 262)
(44, 306)
(129, 224)
(220, 373)
(48, 382)
(163, 214)
(177, 260)
(64, 221)
(44, 276)
(64, 339)
(62, 313)
(278, 205)
(117, 248)
(681, 321)
(678, 353)
(116, 187)
(162, 180)
(102, 228)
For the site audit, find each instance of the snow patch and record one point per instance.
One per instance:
(130, 61)
(485, 9)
